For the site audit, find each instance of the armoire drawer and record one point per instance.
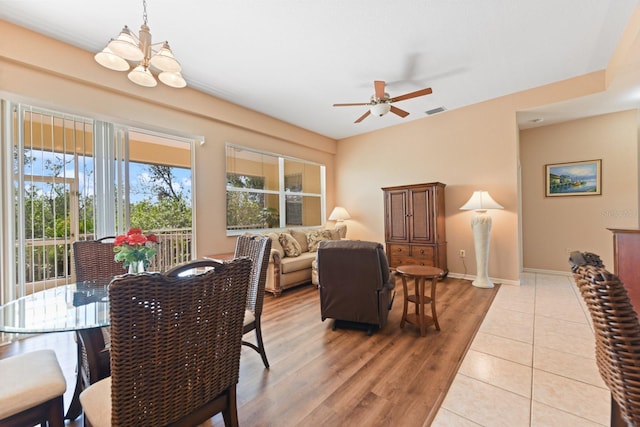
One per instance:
(422, 252)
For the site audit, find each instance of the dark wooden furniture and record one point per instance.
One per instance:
(175, 347)
(414, 225)
(617, 335)
(420, 274)
(626, 261)
(258, 249)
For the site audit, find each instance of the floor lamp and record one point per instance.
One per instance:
(481, 201)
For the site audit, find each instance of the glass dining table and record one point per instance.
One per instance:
(81, 307)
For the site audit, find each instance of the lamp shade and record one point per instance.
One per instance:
(110, 60)
(380, 109)
(164, 60)
(339, 214)
(142, 76)
(480, 201)
(126, 46)
(173, 79)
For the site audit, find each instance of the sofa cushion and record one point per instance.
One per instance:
(302, 262)
(301, 238)
(316, 236)
(275, 243)
(289, 244)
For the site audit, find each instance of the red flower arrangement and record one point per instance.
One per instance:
(134, 248)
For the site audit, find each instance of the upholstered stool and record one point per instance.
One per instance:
(31, 389)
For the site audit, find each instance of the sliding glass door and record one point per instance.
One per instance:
(67, 178)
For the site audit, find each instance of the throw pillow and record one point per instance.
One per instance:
(275, 243)
(316, 236)
(289, 244)
(301, 237)
(335, 234)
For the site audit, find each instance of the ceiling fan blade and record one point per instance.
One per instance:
(362, 117)
(350, 105)
(379, 85)
(399, 112)
(415, 94)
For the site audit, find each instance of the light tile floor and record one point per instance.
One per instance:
(532, 362)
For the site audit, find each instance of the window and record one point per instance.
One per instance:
(74, 178)
(270, 191)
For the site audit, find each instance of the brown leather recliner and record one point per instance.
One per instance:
(356, 286)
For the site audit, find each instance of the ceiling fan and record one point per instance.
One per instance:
(380, 103)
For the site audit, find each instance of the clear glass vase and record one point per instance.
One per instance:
(136, 267)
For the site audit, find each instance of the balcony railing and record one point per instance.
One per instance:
(48, 262)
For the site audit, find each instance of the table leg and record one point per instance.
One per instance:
(75, 408)
(434, 282)
(420, 295)
(406, 301)
(93, 343)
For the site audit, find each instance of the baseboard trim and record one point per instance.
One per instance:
(543, 271)
(493, 279)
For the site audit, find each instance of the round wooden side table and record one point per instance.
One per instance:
(420, 274)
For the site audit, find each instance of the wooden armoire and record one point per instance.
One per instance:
(414, 225)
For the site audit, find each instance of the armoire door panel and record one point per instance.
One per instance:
(420, 215)
(397, 217)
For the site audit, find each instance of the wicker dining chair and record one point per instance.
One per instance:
(258, 249)
(175, 347)
(617, 335)
(94, 262)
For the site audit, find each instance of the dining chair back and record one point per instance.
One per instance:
(94, 260)
(258, 249)
(175, 347)
(94, 263)
(617, 335)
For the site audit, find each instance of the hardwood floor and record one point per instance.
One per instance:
(344, 377)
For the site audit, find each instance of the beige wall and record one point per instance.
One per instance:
(471, 148)
(50, 74)
(553, 225)
(477, 147)
(468, 149)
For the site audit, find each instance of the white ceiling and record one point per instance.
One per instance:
(293, 59)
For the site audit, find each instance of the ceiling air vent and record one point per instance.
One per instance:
(435, 111)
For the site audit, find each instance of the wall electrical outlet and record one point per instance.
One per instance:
(462, 253)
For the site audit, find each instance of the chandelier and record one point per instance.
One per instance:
(129, 50)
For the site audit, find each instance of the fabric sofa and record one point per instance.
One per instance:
(292, 254)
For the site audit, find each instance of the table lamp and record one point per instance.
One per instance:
(339, 214)
(481, 201)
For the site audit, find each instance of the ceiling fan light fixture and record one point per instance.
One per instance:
(380, 109)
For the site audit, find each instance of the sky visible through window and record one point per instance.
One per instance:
(42, 163)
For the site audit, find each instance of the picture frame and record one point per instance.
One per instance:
(582, 178)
